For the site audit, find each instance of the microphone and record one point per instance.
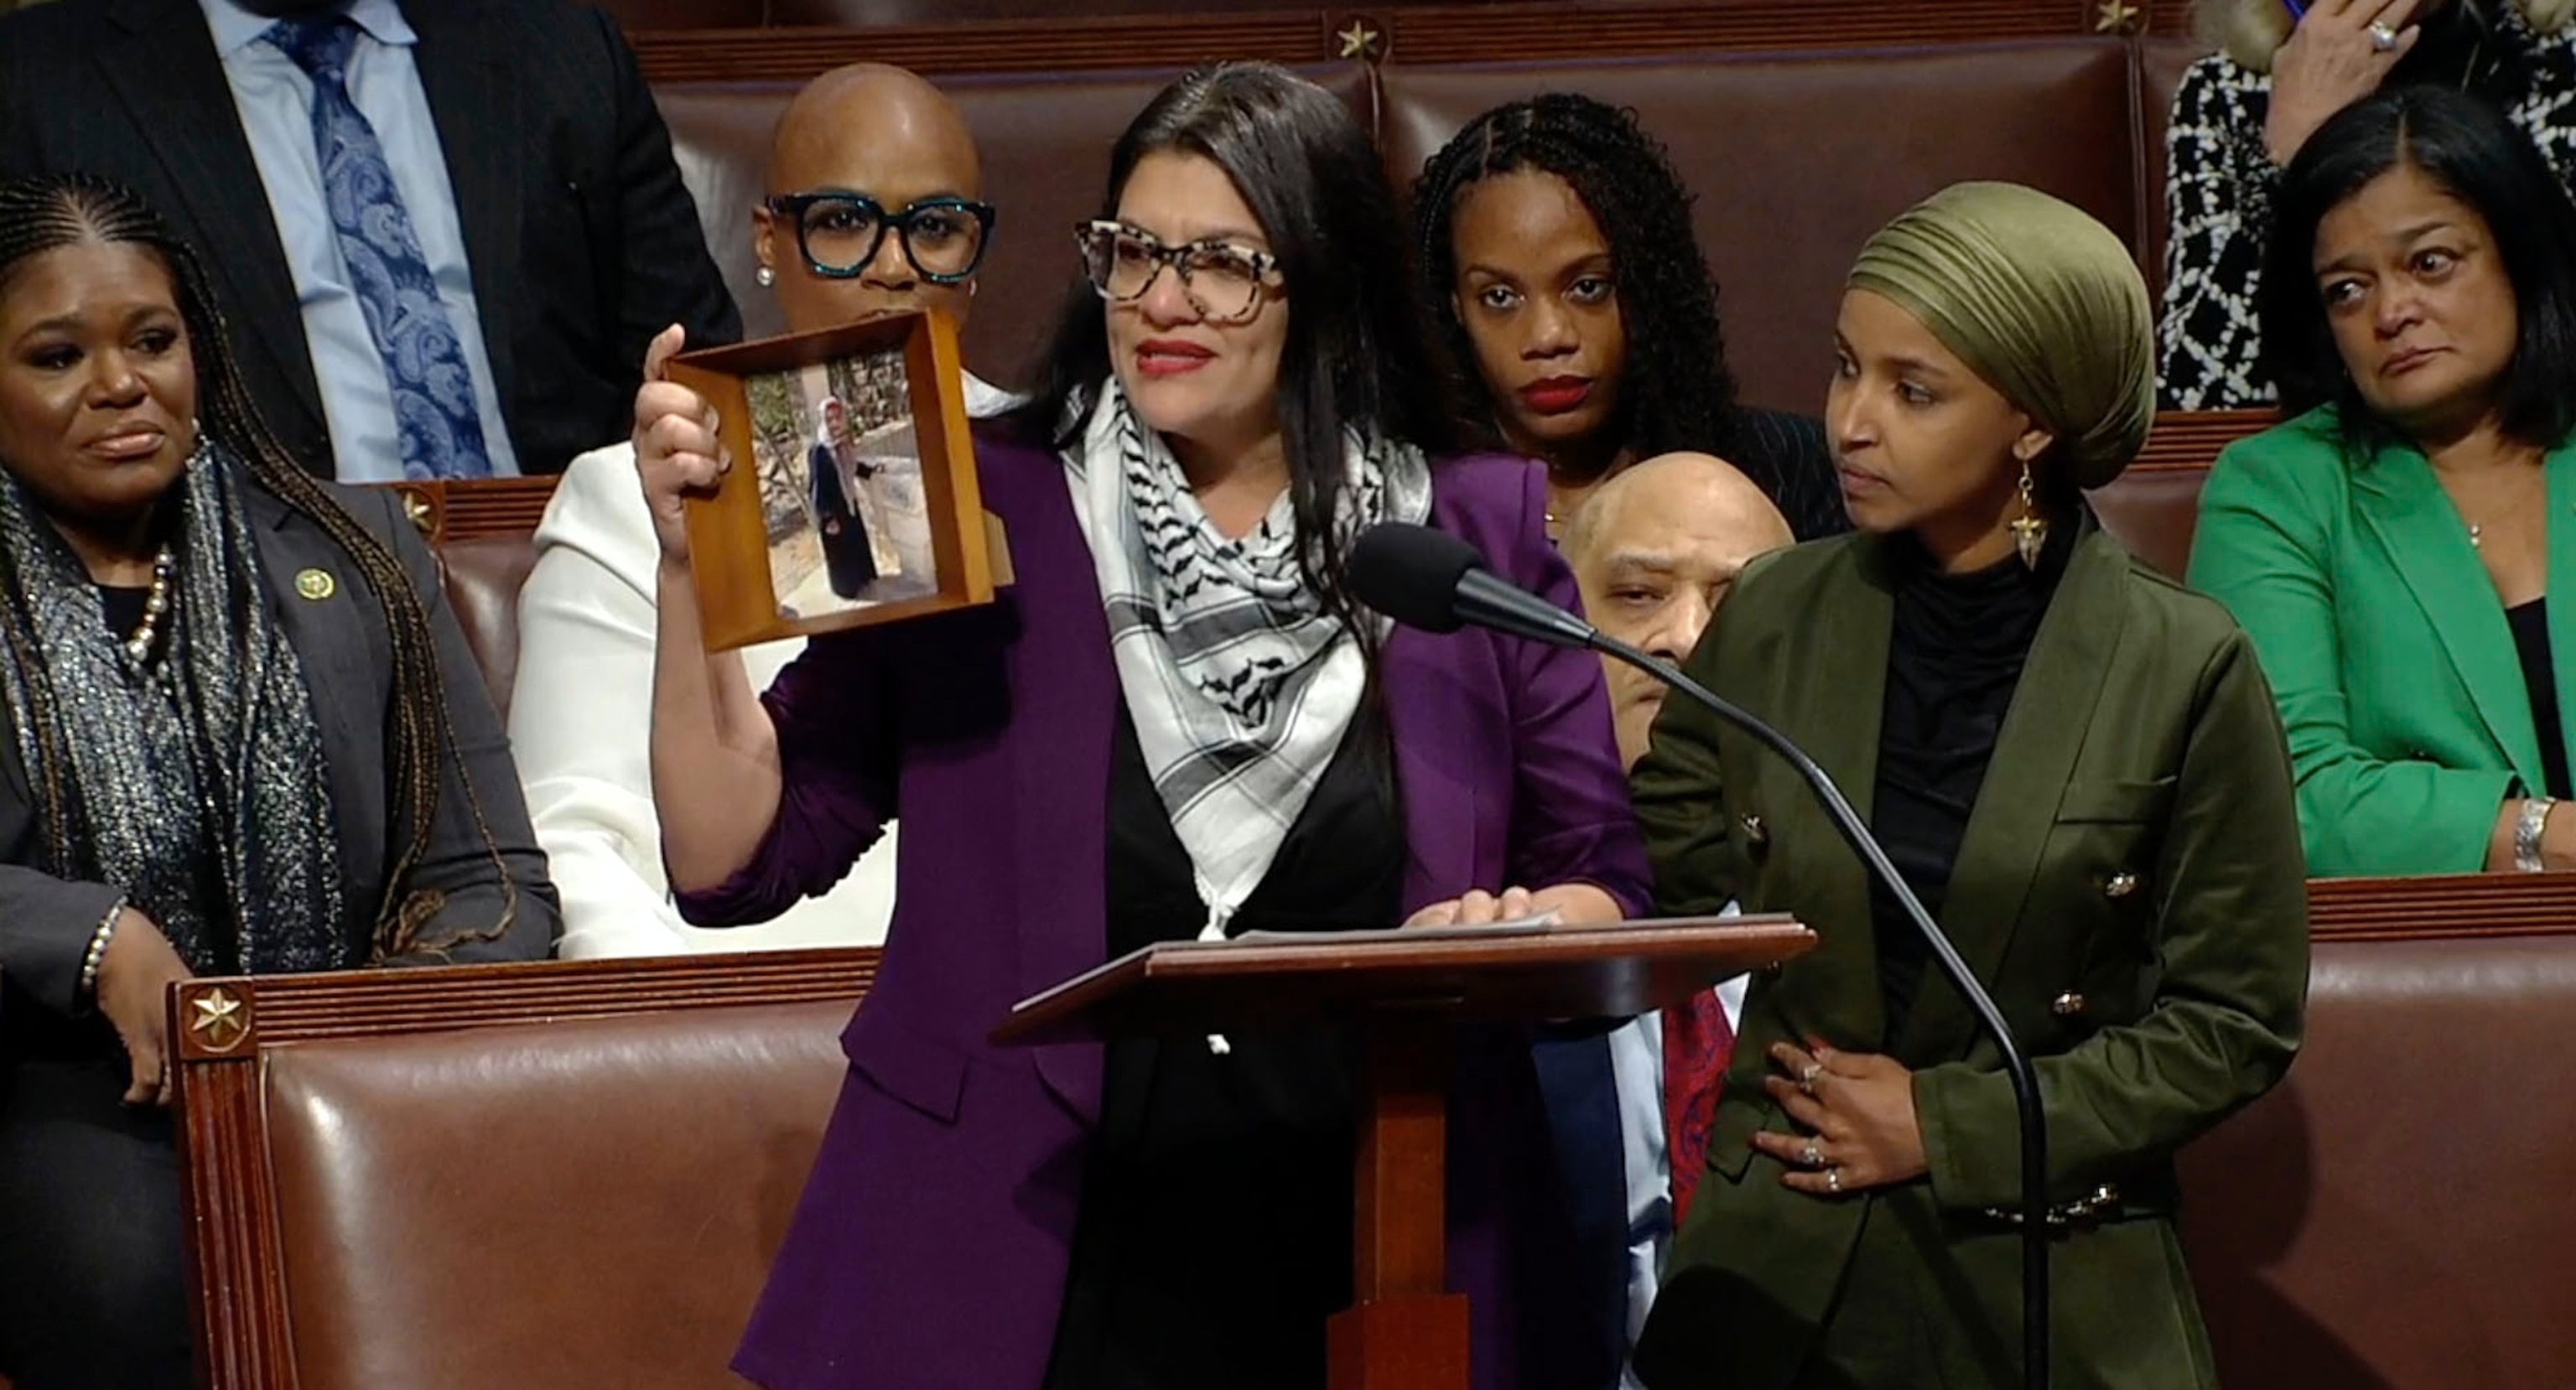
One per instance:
(1427, 578)
(1430, 579)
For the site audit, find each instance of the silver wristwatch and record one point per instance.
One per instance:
(2526, 833)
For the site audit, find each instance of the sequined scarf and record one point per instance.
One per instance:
(192, 779)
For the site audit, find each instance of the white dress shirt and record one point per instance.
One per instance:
(581, 712)
(275, 101)
(1637, 1065)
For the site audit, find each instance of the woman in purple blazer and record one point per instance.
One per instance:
(1178, 724)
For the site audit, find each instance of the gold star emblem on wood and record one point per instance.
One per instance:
(2114, 17)
(218, 1019)
(1359, 41)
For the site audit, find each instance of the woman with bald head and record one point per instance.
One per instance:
(2074, 763)
(874, 205)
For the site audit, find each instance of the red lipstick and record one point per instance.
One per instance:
(1557, 395)
(1171, 357)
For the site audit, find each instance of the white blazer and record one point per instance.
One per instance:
(581, 712)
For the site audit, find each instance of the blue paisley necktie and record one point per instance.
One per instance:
(435, 415)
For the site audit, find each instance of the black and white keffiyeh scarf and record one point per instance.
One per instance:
(1240, 683)
(193, 780)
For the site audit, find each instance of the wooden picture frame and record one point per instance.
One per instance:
(787, 547)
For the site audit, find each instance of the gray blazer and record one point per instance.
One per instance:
(46, 922)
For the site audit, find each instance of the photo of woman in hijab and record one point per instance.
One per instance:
(842, 493)
(848, 555)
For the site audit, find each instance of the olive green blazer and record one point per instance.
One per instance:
(2130, 889)
(2385, 641)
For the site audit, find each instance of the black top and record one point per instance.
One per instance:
(1788, 457)
(124, 608)
(1215, 1234)
(2461, 48)
(2531, 642)
(1954, 659)
(849, 560)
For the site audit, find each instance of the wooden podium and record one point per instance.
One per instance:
(1407, 989)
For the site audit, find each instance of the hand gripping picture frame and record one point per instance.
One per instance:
(852, 499)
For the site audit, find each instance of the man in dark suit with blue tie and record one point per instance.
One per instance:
(444, 232)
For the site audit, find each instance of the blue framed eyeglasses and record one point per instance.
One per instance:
(839, 233)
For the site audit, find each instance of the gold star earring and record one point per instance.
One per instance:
(2030, 529)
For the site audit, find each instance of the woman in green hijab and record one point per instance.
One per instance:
(2073, 762)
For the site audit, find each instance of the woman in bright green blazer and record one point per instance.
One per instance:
(2403, 553)
(2077, 766)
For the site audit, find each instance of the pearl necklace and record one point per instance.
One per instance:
(138, 647)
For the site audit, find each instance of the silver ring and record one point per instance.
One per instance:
(1807, 1076)
(2382, 38)
(1833, 1180)
(1812, 1156)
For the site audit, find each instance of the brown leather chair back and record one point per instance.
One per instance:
(589, 1204)
(483, 575)
(1795, 158)
(2395, 1216)
(1045, 142)
(559, 1176)
(2153, 510)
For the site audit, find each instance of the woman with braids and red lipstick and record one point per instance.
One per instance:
(240, 733)
(1556, 250)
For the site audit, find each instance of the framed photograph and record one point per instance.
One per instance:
(853, 497)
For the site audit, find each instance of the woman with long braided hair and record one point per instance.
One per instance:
(243, 734)
(1556, 250)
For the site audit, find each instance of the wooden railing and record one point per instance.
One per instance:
(462, 510)
(2192, 438)
(511, 506)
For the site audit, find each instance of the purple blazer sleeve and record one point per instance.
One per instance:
(839, 765)
(1571, 819)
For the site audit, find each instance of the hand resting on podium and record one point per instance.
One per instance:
(1575, 904)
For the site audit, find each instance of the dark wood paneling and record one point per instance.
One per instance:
(1449, 34)
(1899, 21)
(1443, 33)
(923, 12)
(1006, 46)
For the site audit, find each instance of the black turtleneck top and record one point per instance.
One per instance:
(1954, 658)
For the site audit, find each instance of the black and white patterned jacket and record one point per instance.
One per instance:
(2219, 181)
